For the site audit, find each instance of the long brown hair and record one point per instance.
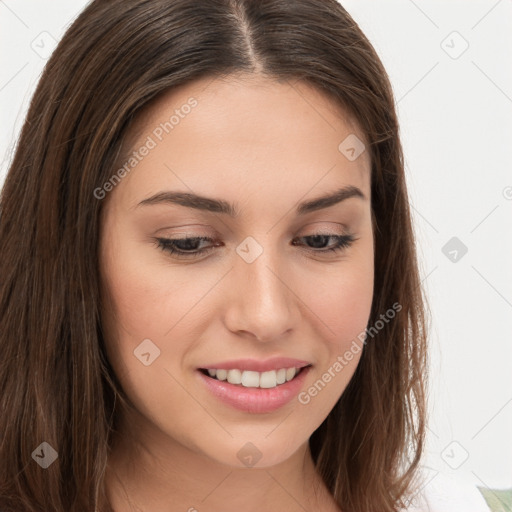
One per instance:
(56, 384)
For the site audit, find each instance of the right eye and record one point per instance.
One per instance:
(184, 247)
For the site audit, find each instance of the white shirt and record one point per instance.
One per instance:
(443, 493)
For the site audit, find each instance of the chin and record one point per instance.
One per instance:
(259, 453)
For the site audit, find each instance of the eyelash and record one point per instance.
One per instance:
(167, 244)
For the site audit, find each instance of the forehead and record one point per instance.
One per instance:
(239, 132)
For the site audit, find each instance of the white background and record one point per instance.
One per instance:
(456, 123)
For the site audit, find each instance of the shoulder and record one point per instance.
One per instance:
(442, 493)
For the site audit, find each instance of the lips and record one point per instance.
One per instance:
(245, 396)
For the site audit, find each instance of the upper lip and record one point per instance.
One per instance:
(255, 365)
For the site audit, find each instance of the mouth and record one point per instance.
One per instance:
(252, 379)
(254, 392)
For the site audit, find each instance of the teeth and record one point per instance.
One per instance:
(234, 376)
(281, 376)
(290, 373)
(250, 379)
(268, 379)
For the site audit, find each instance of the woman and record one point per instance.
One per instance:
(209, 291)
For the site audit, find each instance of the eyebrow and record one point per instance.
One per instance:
(208, 204)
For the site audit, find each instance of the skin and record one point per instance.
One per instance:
(265, 146)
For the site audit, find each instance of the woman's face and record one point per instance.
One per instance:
(266, 286)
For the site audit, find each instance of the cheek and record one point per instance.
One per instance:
(146, 307)
(148, 299)
(343, 306)
(341, 300)
(341, 295)
(152, 300)
(137, 297)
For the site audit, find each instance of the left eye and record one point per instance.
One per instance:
(187, 247)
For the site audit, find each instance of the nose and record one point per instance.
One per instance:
(262, 303)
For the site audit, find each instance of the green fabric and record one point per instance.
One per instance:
(498, 501)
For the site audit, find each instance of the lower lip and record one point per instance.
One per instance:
(255, 400)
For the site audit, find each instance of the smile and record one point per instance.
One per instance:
(251, 391)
